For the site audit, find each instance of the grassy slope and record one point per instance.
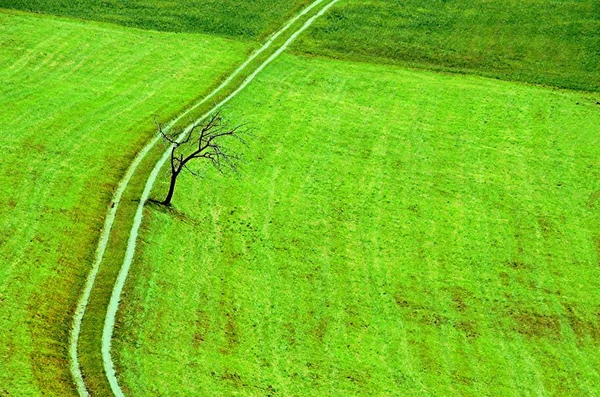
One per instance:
(394, 232)
(233, 18)
(539, 41)
(78, 100)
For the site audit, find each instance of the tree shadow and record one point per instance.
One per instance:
(170, 210)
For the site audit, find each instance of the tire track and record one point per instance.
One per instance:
(113, 306)
(75, 366)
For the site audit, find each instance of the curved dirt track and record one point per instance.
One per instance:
(82, 304)
(131, 245)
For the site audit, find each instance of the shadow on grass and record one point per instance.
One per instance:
(172, 211)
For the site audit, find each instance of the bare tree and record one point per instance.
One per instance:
(202, 141)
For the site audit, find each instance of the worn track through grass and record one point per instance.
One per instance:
(116, 199)
(131, 245)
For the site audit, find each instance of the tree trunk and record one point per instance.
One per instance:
(167, 200)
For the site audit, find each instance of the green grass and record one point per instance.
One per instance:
(78, 101)
(233, 18)
(545, 42)
(394, 232)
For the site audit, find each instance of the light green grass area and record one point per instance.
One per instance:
(78, 101)
(538, 41)
(232, 18)
(394, 232)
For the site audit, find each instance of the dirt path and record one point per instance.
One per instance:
(82, 304)
(131, 245)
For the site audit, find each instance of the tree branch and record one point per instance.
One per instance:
(207, 140)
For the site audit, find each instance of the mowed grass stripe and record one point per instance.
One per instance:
(394, 232)
(67, 138)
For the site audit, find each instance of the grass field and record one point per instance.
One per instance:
(233, 18)
(545, 42)
(78, 100)
(394, 232)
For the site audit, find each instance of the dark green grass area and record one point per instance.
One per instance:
(394, 232)
(545, 42)
(233, 18)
